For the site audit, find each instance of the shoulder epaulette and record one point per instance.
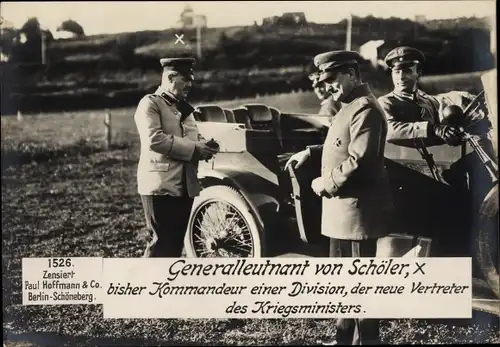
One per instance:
(167, 98)
(157, 97)
(364, 100)
(151, 98)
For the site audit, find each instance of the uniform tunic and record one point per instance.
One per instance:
(410, 116)
(353, 171)
(166, 165)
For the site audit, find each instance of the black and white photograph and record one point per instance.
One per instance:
(281, 130)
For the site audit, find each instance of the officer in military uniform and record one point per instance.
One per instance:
(328, 106)
(357, 203)
(415, 118)
(170, 150)
(419, 120)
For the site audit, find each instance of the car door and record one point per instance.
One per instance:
(429, 206)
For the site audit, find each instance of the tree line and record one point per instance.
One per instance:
(126, 65)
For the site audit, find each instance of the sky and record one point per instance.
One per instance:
(113, 17)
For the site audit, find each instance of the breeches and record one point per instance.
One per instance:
(355, 331)
(167, 218)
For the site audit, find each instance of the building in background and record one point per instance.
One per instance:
(64, 35)
(4, 57)
(420, 19)
(274, 20)
(370, 51)
(189, 20)
(287, 18)
(294, 18)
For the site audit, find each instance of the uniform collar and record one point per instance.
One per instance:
(182, 105)
(169, 97)
(362, 90)
(405, 95)
(410, 96)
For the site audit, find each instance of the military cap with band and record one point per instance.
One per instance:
(404, 56)
(329, 62)
(184, 66)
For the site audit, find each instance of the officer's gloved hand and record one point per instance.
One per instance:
(450, 134)
(456, 140)
(204, 150)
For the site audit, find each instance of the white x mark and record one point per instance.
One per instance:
(179, 38)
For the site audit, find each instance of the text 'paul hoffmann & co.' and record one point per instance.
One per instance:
(62, 281)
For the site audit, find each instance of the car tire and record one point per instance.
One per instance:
(209, 242)
(487, 241)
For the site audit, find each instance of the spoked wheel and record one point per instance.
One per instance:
(487, 242)
(222, 225)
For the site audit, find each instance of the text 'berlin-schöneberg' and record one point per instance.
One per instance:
(242, 267)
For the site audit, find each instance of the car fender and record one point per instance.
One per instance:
(260, 194)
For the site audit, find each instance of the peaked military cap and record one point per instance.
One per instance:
(184, 66)
(329, 61)
(404, 55)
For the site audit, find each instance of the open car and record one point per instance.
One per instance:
(250, 206)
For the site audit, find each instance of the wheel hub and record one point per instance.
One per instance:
(212, 244)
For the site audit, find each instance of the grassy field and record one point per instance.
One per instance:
(40, 137)
(71, 197)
